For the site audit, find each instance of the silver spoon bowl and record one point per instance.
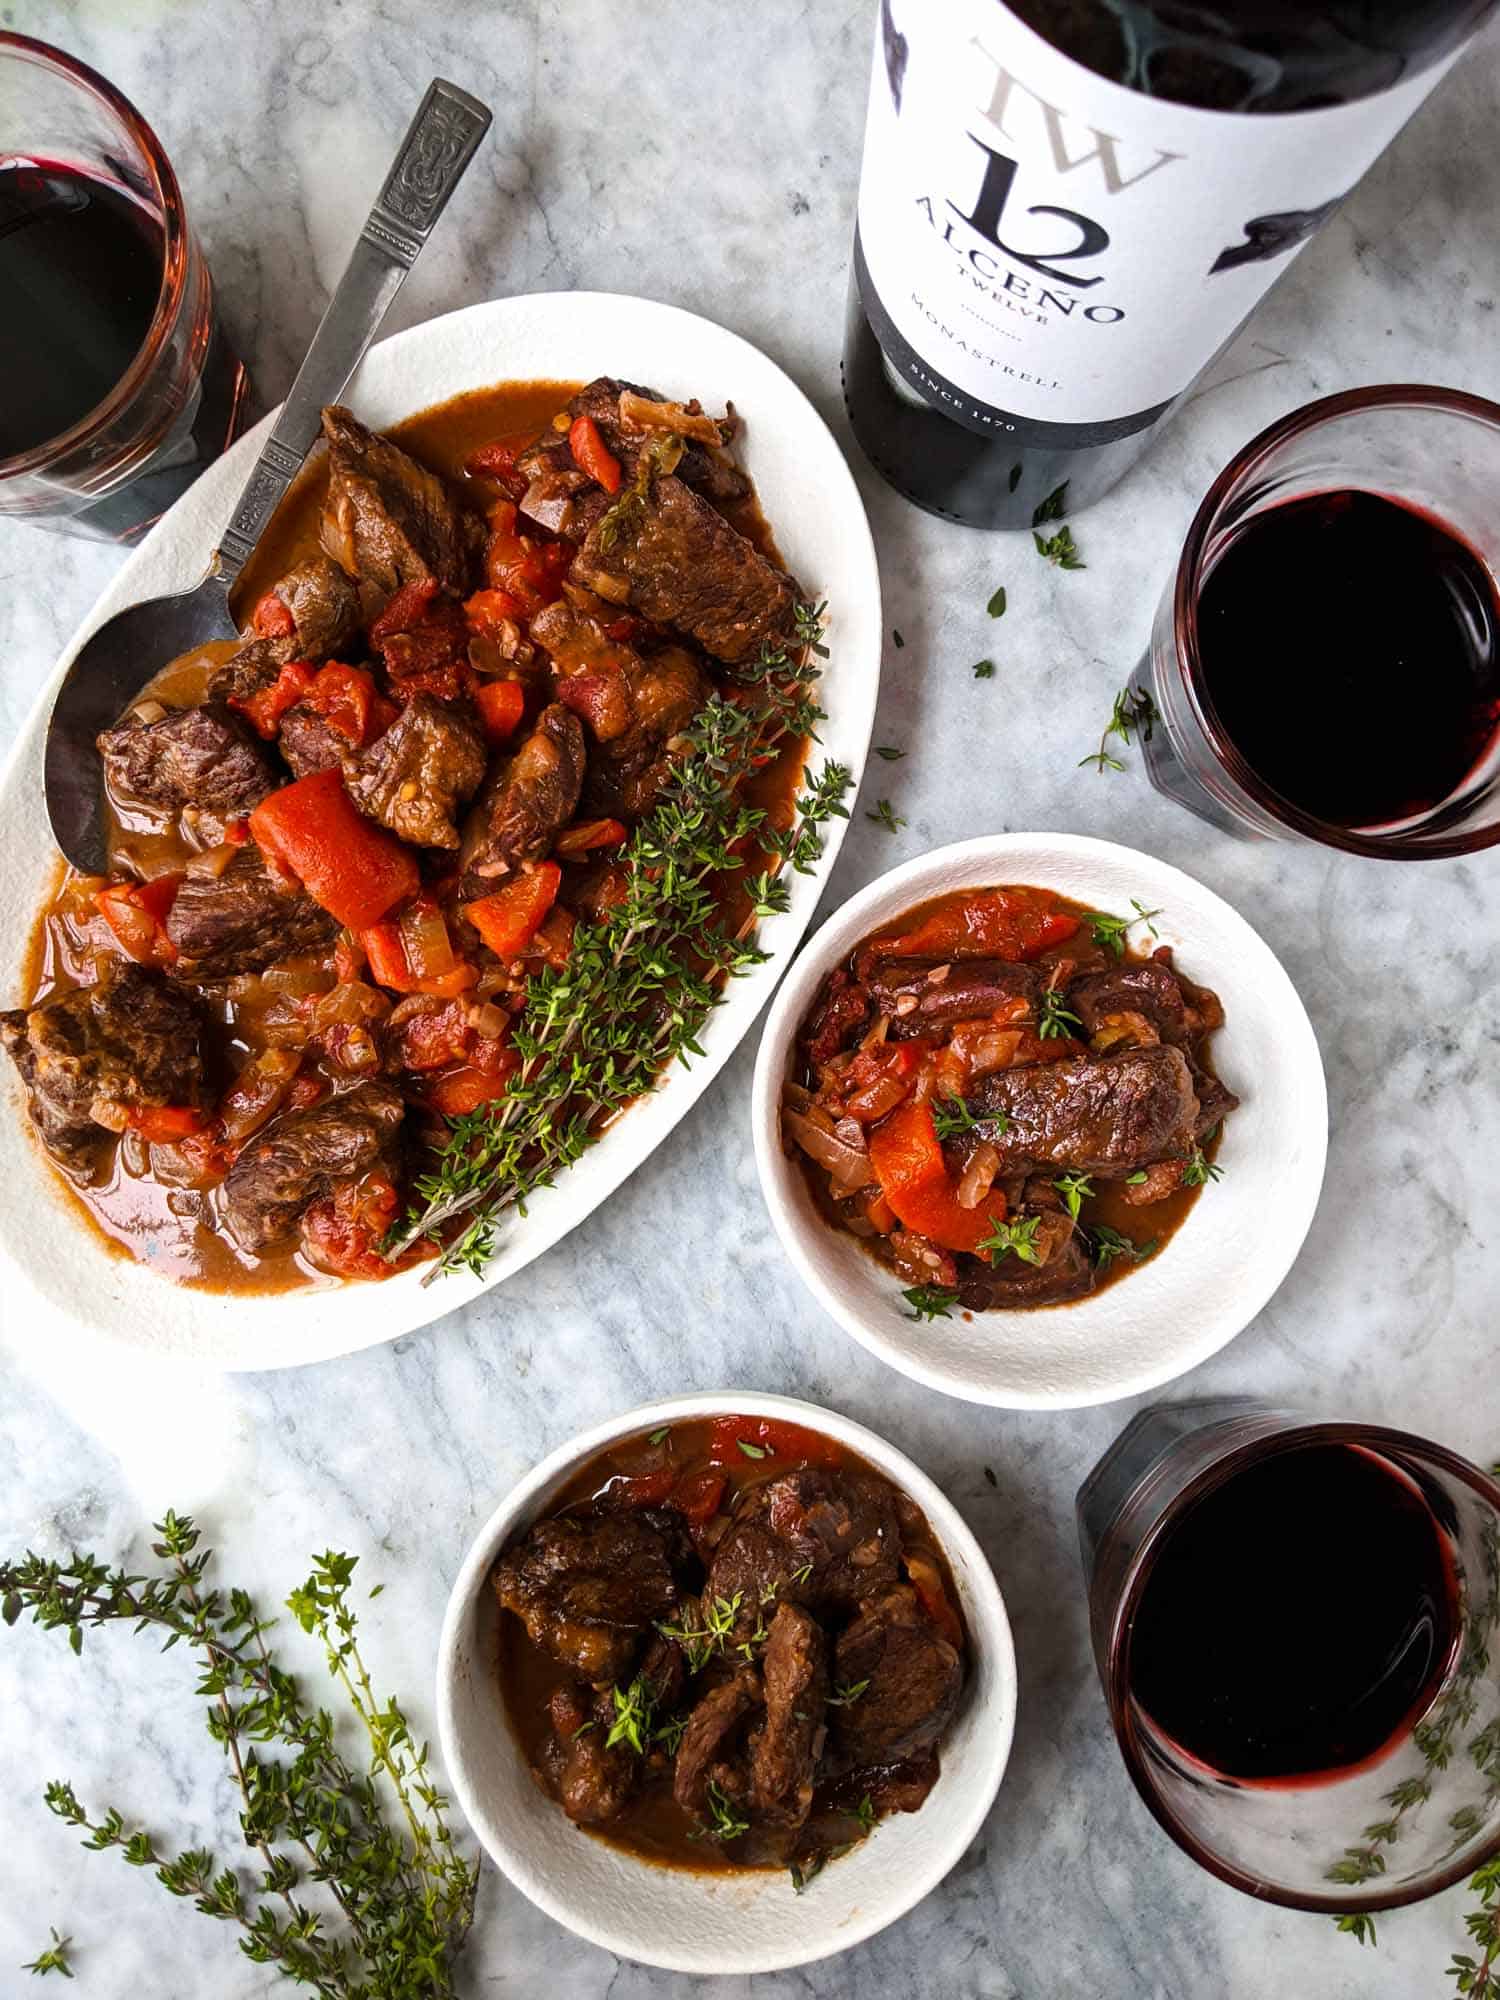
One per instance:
(115, 663)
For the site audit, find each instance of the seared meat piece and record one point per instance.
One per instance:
(88, 1056)
(962, 989)
(1148, 990)
(303, 1156)
(1065, 1272)
(705, 1755)
(242, 920)
(587, 1587)
(1101, 1115)
(914, 1676)
(251, 671)
(526, 803)
(309, 742)
(662, 694)
(554, 477)
(414, 778)
(664, 1668)
(842, 1008)
(203, 757)
(824, 1539)
(325, 609)
(593, 1782)
(1215, 1100)
(681, 564)
(387, 519)
(784, 1751)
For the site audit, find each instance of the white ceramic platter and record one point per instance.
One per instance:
(58, 1274)
(1241, 1236)
(732, 1923)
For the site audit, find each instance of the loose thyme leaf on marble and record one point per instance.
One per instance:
(886, 815)
(996, 605)
(983, 670)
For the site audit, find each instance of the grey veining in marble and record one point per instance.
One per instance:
(708, 157)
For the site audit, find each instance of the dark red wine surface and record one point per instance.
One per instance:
(1350, 648)
(1298, 1619)
(80, 273)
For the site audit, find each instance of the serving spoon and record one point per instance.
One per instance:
(114, 663)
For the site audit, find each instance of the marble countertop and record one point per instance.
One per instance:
(716, 169)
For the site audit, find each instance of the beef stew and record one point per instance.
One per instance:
(1008, 1102)
(343, 847)
(730, 1643)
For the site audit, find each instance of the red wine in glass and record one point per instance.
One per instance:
(81, 270)
(1299, 1618)
(1350, 647)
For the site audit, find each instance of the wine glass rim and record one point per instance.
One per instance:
(1305, 1432)
(175, 247)
(1237, 473)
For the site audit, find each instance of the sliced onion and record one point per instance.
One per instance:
(878, 1033)
(938, 976)
(424, 933)
(212, 861)
(256, 1092)
(797, 1095)
(351, 1003)
(852, 1133)
(295, 979)
(489, 1020)
(978, 1175)
(642, 414)
(849, 1169)
(148, 711)
(414, 1004)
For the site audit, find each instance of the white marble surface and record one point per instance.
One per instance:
(714, 166)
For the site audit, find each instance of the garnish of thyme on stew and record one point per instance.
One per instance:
(1200, 1170)
(1106, 1244)
(1015, 1239)
(637, 989)
(1110, 932)
(1134, 708)
(950, 1116)
(400, 1894)
(1054, 1019)
(1074, 1189)
(929, 1302)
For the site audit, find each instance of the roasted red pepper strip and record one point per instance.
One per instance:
(593, 454)
(160, 1124)
(585, 835)
(510, 918)
(696, 1496)
(353, 868)
(768, 1437)
(913, 1175)
(1012, 924)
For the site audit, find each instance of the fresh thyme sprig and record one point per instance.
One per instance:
(634, 1714)
(886, 815)
(1052, 508)
(1134, 708)
(1106, 1244)
(1074, 1189)
(1017, 1238)
(929, 1302)
(1054, 1019)
(636, 990)
(53, 1959)
(1109, 931)
(1200, 1170)
(725, 1823)
(403, 1896)
(1060, 549)
(951, 1116)
(846, 1693)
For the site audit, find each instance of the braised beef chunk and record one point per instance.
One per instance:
(1215, 1102)
(1065, 1271)
(588, 1588)
(703, 465)
(242, 920)
(842, 1008)
(681, 564)
(526, 803)
(204, 758)
(387, 519)
(912, 1679)
(250, 671)
(303, 1156)
(707, 1753)
(92, 1055)
(414, 778)
(922, 994)
(594, 1781)
(627, 770)
(309, 741)
(1105, 1115)
(823, 1539)
(784, 1751)
(324, 605)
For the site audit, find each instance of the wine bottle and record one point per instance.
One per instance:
(1068, 207)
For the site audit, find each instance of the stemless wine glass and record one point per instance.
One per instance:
(1397, 1828)
(1436, 450)
(180, 401)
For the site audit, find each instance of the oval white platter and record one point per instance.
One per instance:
(58, 1272)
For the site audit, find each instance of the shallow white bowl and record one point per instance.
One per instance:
(683, 1921)
(1242, 1234)
(58, 1274)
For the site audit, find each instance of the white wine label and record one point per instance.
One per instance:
(1048, 256)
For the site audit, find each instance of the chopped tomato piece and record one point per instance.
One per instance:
(984, 923)
(913, 1175)
(353, 868)
(593, 454)
(497, 460)
(530, 571)
(464, 1090)
(405, 609)
(585, 835)
(433, 1040)
(343, 1233)
(643, 1489)
(349, 701)
(160, 1124)
(501, 705)
(510, 918)
(696, 1496)
(488, 610)
(137, 914)
(768, 1437)
(265, 710)
(271, 619)
(927, 1582)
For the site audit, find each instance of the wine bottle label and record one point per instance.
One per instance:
(1048, 256)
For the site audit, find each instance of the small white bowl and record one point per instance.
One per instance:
(676, 1918)
(1242, 1234)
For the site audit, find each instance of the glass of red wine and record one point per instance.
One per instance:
(1297, 1626)
(119, 386)
(1325, 664)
